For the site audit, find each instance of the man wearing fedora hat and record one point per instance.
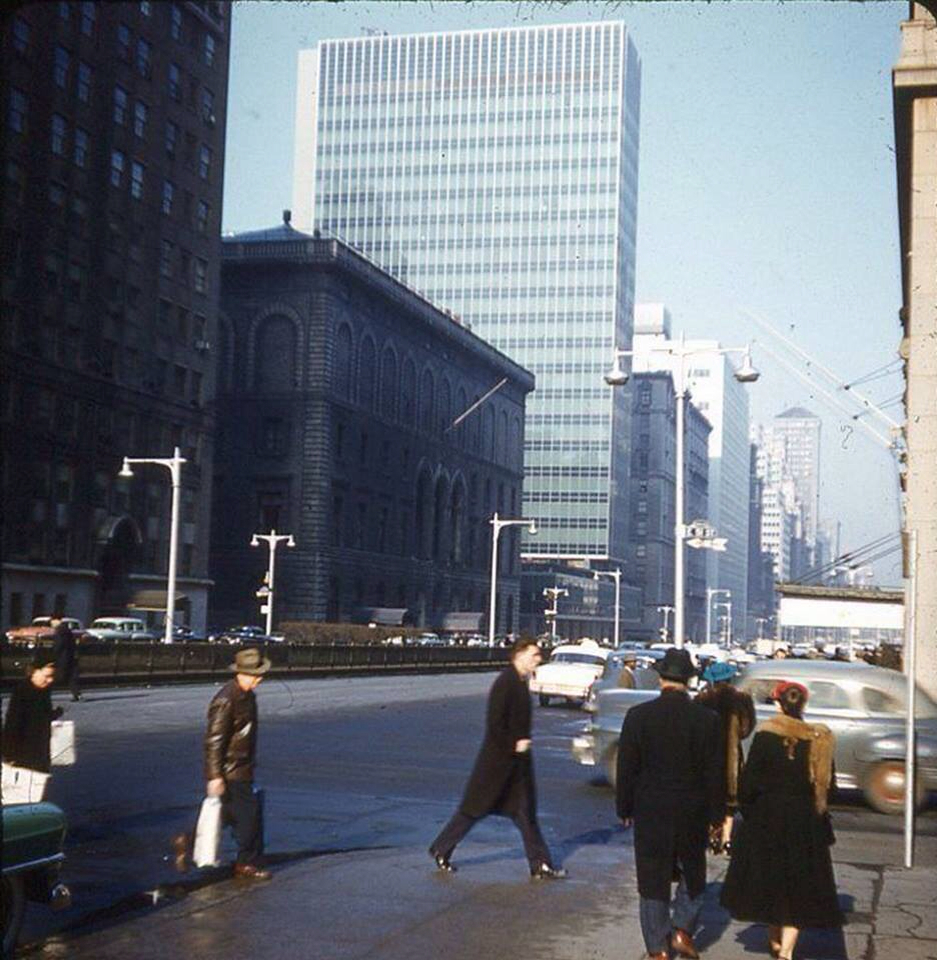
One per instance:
(670, 788)
(230, 749)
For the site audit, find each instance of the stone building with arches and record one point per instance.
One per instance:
(338, 388)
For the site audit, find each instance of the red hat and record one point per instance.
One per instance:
(783, 685)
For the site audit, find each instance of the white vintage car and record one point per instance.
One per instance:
(570, 672)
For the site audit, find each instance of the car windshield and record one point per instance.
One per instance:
(104, 625)
(586, 658)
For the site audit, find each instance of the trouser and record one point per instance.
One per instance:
(242, 810)
(656, 922)
(72, 679)
(535, 847)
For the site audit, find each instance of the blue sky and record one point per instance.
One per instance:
(767, 181)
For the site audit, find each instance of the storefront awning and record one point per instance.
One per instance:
(153, 600)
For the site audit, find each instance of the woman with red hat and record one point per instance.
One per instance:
(781, 872)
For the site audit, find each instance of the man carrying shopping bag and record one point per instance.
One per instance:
(230, 749)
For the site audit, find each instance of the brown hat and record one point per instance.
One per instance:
(251, 662)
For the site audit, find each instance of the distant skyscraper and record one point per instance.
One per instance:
(496, 171)
(798, 431)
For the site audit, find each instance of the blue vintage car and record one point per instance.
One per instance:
(33, 835)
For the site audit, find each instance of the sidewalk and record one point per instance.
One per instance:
(390, 904)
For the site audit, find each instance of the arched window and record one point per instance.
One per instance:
(503, 438)
(427, 398)
(389, 384)
(343, 362)
(439, 519)
(408, 392)
(517, 445)
(474, 522)
(445, 406)
(367, 374)
(275, 353)
(456, 524)
(423, 515)
(488, 441)
(462, 406)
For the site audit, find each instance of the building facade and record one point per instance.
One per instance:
(761, 598)
(338, 390)
(496, 172)
(797, 432)
(113, 155)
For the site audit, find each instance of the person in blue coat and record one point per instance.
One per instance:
(502, 780)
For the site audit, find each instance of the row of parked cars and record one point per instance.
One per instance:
(132, 628)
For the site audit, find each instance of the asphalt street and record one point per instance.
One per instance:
(359, 774)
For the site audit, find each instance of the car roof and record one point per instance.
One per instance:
(834, 670)
(592, 648)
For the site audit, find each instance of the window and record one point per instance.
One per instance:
(165, 262)
(145, 8)
(120, 105)
(175, 26)
(76, 282)
(65, 9)
(81, 148)
(168, 192)
(143, 58)
(172, 135)
(58, 135)
(208, 107)
(827, 696)
(60, 67)
(175, 86)
(273, 436)
(16, 119)
(117, 168)
(20, 35)
(209, 50)
(202, 215)
(136, 180)
(84, 82)
(204, 162)
(201, 275)
(88, 17)
(878, 701)
(123, 41)
(139, 119)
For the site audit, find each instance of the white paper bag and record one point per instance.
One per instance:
(208, 833)
(22, 785)
(62, 743)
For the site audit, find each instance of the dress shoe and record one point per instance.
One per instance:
(543, 871)
(442, 863)
(683, 943)
(661, 955)
(247, 871)
(181, 851)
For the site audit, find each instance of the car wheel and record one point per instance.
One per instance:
(611, 767)
(544, 700)
(14, 904)
(884, 788)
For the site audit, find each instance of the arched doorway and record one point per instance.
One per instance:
(119, 541)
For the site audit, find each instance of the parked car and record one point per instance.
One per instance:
(119, 628)
(431, 640)
(183, 634)
(863, 705)
(245, 634)
(41, 630)
(33, 837)
(570, 672)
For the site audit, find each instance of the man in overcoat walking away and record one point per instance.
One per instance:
(502, 780)
(670, 787)
(65, 654)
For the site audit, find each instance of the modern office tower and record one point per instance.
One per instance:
(797, 432)
(113, 153)
(716, 393)
(761, 599)
(496, 171)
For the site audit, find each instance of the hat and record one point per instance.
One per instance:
(783, 685)
(719, 672)
(251, 662)
(676, 665)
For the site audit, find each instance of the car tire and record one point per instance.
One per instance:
(611, 767)
(14, 905)
(544, 700)
(884, 788)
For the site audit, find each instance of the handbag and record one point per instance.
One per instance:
(62, 743)
(22, 785)
(208, 833)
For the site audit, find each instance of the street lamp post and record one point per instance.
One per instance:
(666, 610)
(616, 576)
(497, 525)
(617, 377)
(554, 593)
(273, 540)
(174, 465)
(710, 593)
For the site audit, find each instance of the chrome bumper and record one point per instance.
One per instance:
(583, 750)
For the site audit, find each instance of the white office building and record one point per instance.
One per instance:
(496, 172)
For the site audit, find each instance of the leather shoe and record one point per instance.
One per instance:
(543, 871)
(662, 955)
(683, 943)
(442, 863)
(181, 851)
(247, 871)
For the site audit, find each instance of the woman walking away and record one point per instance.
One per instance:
(737, 712)
(781, 873)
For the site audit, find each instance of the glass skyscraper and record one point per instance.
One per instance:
(496, 172)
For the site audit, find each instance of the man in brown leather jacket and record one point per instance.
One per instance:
(230, 748)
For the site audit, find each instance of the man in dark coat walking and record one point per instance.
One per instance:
(65, 654)
(502, 779)
(670, 787)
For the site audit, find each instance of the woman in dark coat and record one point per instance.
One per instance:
(29, 717)
(737, 713)
(502, 780)
(781, 872)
